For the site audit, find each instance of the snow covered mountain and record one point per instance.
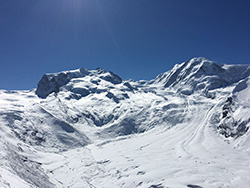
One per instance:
(189, 127)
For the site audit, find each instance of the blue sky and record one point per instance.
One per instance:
(136, 39)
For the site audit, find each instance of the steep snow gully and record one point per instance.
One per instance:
(189, 127)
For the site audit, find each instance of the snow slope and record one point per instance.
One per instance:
(189, 127)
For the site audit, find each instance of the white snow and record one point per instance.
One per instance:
(100, 132)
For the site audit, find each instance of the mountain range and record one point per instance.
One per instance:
(188, 127)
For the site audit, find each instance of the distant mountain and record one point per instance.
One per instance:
(200, 74)
(189, 127)
(53, 82)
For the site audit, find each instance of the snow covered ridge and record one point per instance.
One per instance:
(52, 82)
(189, 127)
(200, 74)
(197, 74)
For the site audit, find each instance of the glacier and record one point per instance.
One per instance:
(188, 127)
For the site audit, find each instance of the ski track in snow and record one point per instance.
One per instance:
(187, 154)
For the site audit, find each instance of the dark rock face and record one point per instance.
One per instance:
(47, 86)
(228, 126)
(111, 77)
(112, 96)
(52, 82)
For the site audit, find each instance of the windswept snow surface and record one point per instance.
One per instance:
(88, 128)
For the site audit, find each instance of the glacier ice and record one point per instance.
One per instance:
(188, 127)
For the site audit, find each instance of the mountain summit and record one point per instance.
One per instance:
(197, 74)
(200, 74)
(53, 82)
(90, 128)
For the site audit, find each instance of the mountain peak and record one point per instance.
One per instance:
(196, 74)
(199, 60)
(52, 82)
(201, 74)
